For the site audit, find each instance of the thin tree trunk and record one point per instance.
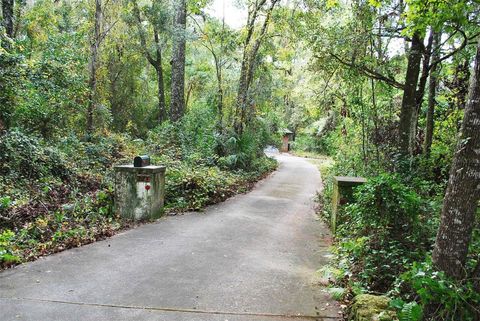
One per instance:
(375, 121)
(155, 62)
(7, 10)
(189, 91)
(162, 108)
(409, 93)
(92, 83)
(463, 190)
(373, 89)
(218, 61)
(218, 69)
(177, 104)
(432, 90)
(363, 123)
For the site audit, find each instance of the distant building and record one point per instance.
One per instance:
(286, 138)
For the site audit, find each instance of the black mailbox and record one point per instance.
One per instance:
(141, 161)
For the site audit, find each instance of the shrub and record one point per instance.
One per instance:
(194, 187)
(25, 156)
(383, 205)
(379, 234)
(191, 187)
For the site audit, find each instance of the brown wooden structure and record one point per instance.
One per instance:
(286, 139)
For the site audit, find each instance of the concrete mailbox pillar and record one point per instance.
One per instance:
(139, 191)
(342, 194)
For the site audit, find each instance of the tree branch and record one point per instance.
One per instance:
(369, 72)
(141, 32)
(453, 52)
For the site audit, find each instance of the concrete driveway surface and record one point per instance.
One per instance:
(251, 258)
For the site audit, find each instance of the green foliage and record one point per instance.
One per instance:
(74, 224)
(5, 202)
(23, 156)
(312, 143)
(337, 293)
(334, 58)
(192, 139)
(6, 248)
(11, 73)
(410, 311)
(68, 199)
(439, 13)
(194, 187)
(48, 100)
(375, 262)
(196, 133)
(451, 300)
(379, 235)
(241, 152)
(384, 205)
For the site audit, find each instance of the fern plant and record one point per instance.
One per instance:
(411, 311)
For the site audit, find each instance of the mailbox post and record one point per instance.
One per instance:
(139, 189)
(342, 194)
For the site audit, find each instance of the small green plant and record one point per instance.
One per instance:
(6, 248)
(5, 202)
(407, 311)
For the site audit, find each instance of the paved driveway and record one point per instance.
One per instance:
(251, 258)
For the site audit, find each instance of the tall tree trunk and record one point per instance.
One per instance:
(250, 50)
(7, 23)
(162, 108)
(420, 93)
(432, 91)
(463, 190)
(409, 93)
(155, 62)
(242, 94)
(92, 83)
(219, 72)
(177, 104)
(7, 10)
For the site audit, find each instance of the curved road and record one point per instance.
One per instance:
(250, 258)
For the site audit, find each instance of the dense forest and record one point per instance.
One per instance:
(388, 89)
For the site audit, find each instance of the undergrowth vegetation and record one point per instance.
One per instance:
(59, 194)
(385, 237)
